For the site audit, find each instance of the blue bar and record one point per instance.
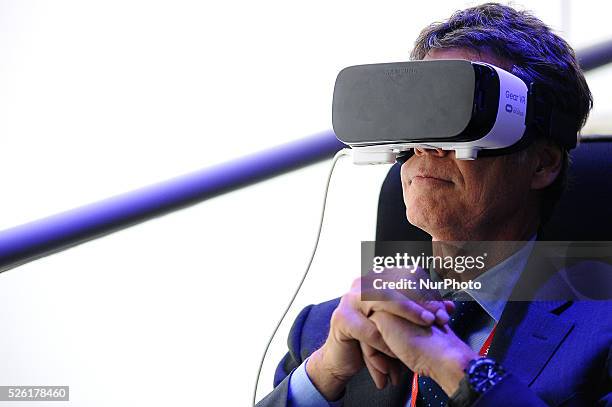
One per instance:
(32, 240)
(595, 56)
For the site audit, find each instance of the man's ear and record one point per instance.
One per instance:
(547, 165)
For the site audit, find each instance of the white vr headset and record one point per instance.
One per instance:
(383, 111)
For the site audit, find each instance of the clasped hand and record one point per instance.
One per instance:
(393, 331)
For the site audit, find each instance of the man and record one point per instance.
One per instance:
(345, 352)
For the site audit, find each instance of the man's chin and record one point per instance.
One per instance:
(417, 220)
(427, 196)
(427, 222)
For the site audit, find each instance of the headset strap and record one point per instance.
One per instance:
(550, 121)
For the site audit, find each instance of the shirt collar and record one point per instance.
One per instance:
(498, 282)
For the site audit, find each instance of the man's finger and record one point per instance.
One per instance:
(377, 359)
(382, 363)
(420, 314)
(395, 371)
(378, 375)
(354, 325)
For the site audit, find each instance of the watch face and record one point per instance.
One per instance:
(484, 374)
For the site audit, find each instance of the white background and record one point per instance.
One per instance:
(98, 98)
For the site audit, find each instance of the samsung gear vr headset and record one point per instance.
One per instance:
(383, 111)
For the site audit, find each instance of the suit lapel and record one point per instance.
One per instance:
(527, 337)
(530, 332)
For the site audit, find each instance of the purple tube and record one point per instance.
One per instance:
(35, 239)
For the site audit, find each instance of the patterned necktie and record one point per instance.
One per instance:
(467, 317)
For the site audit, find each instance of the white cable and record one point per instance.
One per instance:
(341, 153)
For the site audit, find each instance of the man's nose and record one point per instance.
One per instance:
(437, 152)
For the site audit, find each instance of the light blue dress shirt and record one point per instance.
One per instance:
(497, 284)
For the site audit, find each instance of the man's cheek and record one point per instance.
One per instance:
(474, 192)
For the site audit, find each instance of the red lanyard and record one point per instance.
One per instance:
(415, 378)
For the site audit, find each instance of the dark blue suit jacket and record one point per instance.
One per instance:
(559, 353)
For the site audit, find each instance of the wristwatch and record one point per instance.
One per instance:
(480, 375)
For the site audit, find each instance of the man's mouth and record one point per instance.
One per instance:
(423, 177)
